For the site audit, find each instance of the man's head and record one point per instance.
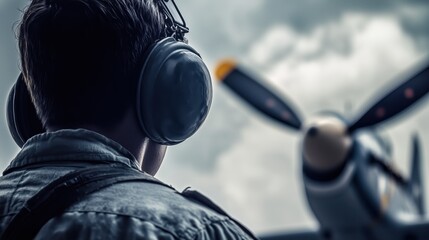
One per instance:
(81, 58)
(108, 66)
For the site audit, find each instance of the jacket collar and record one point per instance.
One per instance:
(71, 145)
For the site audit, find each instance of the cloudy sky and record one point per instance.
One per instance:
(321, 55)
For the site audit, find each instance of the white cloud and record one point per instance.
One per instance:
(313, 70)
(235, 17)
(277, 39)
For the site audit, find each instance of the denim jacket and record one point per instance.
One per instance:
(129, 210)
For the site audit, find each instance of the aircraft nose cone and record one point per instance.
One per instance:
(326, 144)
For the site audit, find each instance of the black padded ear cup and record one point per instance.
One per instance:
(174, 92)
(22, 119)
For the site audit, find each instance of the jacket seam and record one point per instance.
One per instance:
(15, 190)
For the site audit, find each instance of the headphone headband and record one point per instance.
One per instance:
(175, 25)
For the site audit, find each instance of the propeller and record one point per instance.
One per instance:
(271, 105)
(325, 137)
(257, 95)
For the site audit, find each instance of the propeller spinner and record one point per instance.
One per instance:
(326, 143)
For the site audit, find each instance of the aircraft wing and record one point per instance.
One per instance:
(294, 235)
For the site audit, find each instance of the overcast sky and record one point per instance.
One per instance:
(321, 55)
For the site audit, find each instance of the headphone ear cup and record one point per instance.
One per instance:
(174, 92)
(22, 118)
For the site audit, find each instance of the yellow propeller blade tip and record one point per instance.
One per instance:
(224, 68)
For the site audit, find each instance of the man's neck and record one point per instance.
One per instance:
(129, 134)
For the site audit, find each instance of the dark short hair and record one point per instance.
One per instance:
(81, 58)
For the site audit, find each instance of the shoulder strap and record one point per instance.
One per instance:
(60, 194)
(199, 198)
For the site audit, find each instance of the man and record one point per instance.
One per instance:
(82, 62)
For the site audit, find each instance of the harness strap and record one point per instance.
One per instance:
(60, 194)
(199, 198)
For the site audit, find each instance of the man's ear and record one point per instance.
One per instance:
(153, 155)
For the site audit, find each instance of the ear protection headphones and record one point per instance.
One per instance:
(173, 96)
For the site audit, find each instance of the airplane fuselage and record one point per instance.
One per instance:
(352, 198)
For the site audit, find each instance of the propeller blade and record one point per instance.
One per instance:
(257, 95)
(396, 101)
